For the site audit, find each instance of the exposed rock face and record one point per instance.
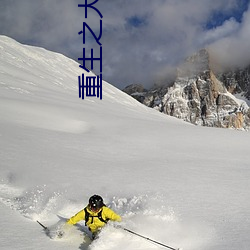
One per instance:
(199, 97)
(237, 81)
(137, 91)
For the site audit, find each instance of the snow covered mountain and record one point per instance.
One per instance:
(201, 96)
(237, 81)
(182, 185)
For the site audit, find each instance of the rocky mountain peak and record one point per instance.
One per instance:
(201, 97)
(196, 64)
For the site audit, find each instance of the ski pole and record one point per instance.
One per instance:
(146, 238)
(45, 228)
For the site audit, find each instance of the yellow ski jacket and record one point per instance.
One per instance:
(94, 223)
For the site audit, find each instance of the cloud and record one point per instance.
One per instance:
(233, 49)
(142, 40)
(170, 31)
(228, 28)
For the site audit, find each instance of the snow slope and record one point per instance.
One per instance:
(176, 183)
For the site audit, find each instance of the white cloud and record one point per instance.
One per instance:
(228, 28)
(170, 31)
(233, 50)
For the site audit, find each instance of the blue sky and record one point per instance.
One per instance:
(218, 17)
(142, 40)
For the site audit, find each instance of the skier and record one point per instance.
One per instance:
(95, 214)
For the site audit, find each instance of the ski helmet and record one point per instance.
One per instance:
(95, 202)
